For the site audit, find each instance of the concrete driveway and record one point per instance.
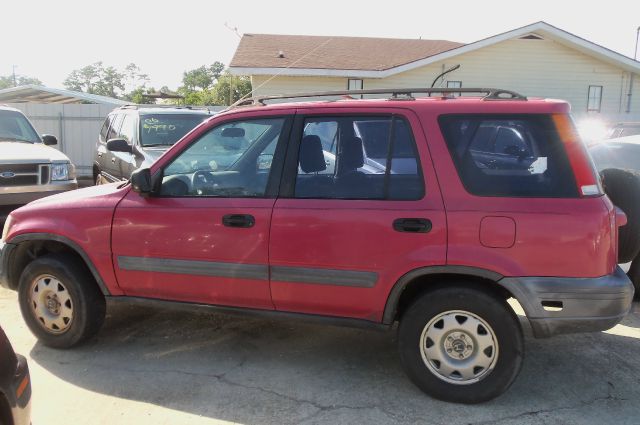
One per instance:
(165, 367)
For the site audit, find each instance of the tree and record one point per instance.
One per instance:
(137, 96)
(134, 78)
(108, 81)
(231, 88)
(212, 85)
(202, 78)
(21, 80)
(95, 79)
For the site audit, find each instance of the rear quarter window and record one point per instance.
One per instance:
(509, 155)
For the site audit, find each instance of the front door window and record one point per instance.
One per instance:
(230, 161)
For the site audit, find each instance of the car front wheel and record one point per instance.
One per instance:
(460, 344)
(60, 301)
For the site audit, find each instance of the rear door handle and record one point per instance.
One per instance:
(113, 160)
(412, 225)
(238, 220)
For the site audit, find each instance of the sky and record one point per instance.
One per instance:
(49, 39)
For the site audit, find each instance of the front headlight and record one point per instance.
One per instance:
(7, 225)
(63, 171)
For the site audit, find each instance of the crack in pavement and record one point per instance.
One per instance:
(609, 397)
(222, 378)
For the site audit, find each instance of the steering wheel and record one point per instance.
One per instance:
(202, 182)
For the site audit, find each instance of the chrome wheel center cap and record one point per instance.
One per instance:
(53, 305)
(458, 345)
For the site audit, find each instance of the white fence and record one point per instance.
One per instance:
(75, 125)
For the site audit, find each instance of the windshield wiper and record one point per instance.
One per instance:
(150, 145)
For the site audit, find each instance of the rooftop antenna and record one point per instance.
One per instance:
(233, 30)
(453, 68)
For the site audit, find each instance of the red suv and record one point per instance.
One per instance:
(427, 211)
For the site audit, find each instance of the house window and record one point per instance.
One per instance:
(595, 99)
(454, 85)
(354, 84)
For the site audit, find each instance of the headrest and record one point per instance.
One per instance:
(311, 156)
(352, 156)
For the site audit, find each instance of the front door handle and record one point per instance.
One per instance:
(412, 225)
(238, 220)
(113, 160)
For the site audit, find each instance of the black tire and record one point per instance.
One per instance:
(492, 310)
(5, 411)
(634, 275)
(89, 305)
(623, 188)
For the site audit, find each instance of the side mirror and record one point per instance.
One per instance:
(141, 181)
(119, 145)
(49, 139)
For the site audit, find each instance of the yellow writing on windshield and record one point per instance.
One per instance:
(155, 125)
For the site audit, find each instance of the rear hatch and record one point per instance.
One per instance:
(523, 197)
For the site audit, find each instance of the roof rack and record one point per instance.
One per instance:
(165, 106)
(396, 94)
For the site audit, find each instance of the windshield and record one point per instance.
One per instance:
(166, 129)
(15, 127)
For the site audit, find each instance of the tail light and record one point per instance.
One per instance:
(587, 177)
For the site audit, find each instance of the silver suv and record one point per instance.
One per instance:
(29, 168)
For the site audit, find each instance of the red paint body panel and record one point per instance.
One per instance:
(554, 237)
(331, 235)
(191, 229)
(83, 216)
(355, 235)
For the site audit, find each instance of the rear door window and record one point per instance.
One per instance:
(105, 128)
(351, 157)
(510, 155)
(115, 127)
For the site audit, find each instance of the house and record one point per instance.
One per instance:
(538, 60)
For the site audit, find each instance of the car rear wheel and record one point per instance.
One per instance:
(623, 188)
(634, 275)
(460, 344)
(60, 301)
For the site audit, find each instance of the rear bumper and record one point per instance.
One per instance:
(573, 304)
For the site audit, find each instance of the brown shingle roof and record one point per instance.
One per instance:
(319, 52)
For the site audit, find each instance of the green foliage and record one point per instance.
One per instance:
(202, 78)
(108, 81)
(21, 80)
(137, 96)
(230, 89)
(212, 85)
(96, 79)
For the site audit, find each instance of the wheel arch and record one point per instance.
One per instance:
(424, 279)
(24, 253)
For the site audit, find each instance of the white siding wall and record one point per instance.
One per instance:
(534, 68)
(265, 85)
(76, 126)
